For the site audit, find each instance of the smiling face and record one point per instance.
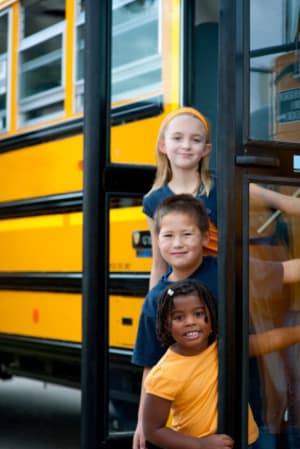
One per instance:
(181, 244)
(190, 324)
(184, 142)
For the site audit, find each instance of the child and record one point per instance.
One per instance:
(185, 380)
(181, 226)
(182, 152)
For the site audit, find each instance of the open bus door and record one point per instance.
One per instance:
(258, 142)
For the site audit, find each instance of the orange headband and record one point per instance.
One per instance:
(185, 110)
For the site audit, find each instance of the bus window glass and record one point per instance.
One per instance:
(275, 70)
(136, 59)
(41, 80)
(274, 311)
(136, 51)
(129, 265)
(4, 65)
(79, 55)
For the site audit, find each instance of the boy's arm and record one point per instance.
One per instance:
(155, 416)
(273, 340)
(139, 441)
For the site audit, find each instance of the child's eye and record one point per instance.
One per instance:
(178, 317)
(200, 313)
(187, 234)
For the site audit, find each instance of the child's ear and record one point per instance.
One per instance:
(206, 238)
(162, 146)
(207, 150)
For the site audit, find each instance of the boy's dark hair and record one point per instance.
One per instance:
(165, 306)
(183, 203)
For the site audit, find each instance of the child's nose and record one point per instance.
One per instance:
(189, 319)
(177, 241)
(186, 143)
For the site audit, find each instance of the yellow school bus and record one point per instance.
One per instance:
(41, 176)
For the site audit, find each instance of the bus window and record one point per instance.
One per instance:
(4, 69)
(136, 51)
(41, 80)
(274, 70)
(79, 56)
(136, 58)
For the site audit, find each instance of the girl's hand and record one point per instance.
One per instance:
(217, 441)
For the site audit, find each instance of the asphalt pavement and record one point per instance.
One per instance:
(34, 415)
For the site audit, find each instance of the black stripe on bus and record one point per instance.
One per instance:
(51, 204)
(57, 348)
(121, 284)
(119, 115)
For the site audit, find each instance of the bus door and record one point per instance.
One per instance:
(259, 198)
(132, 70)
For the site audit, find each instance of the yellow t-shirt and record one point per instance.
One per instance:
(191, 383)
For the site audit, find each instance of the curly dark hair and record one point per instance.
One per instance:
(166, 302)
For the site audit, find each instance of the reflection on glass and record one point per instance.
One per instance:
(136, 59)
(136, 49)
(4, 36)
(275, 70)
(40, 66)
(129, 264)
(274, 302)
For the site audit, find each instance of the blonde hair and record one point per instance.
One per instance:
(163, 170)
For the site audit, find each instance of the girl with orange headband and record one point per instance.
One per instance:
(182, 153)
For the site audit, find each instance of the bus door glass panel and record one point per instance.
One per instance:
(145, 75)
(274, 306)
(4, 68)
(41, 80)
(129, 266)
(275, 70)
(136, 50)
(136, 53)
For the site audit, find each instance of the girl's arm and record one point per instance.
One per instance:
(159, 265)
(155, 416)
(273, 340)
(139, 441)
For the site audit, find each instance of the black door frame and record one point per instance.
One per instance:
(241, 160)
(101, 178)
